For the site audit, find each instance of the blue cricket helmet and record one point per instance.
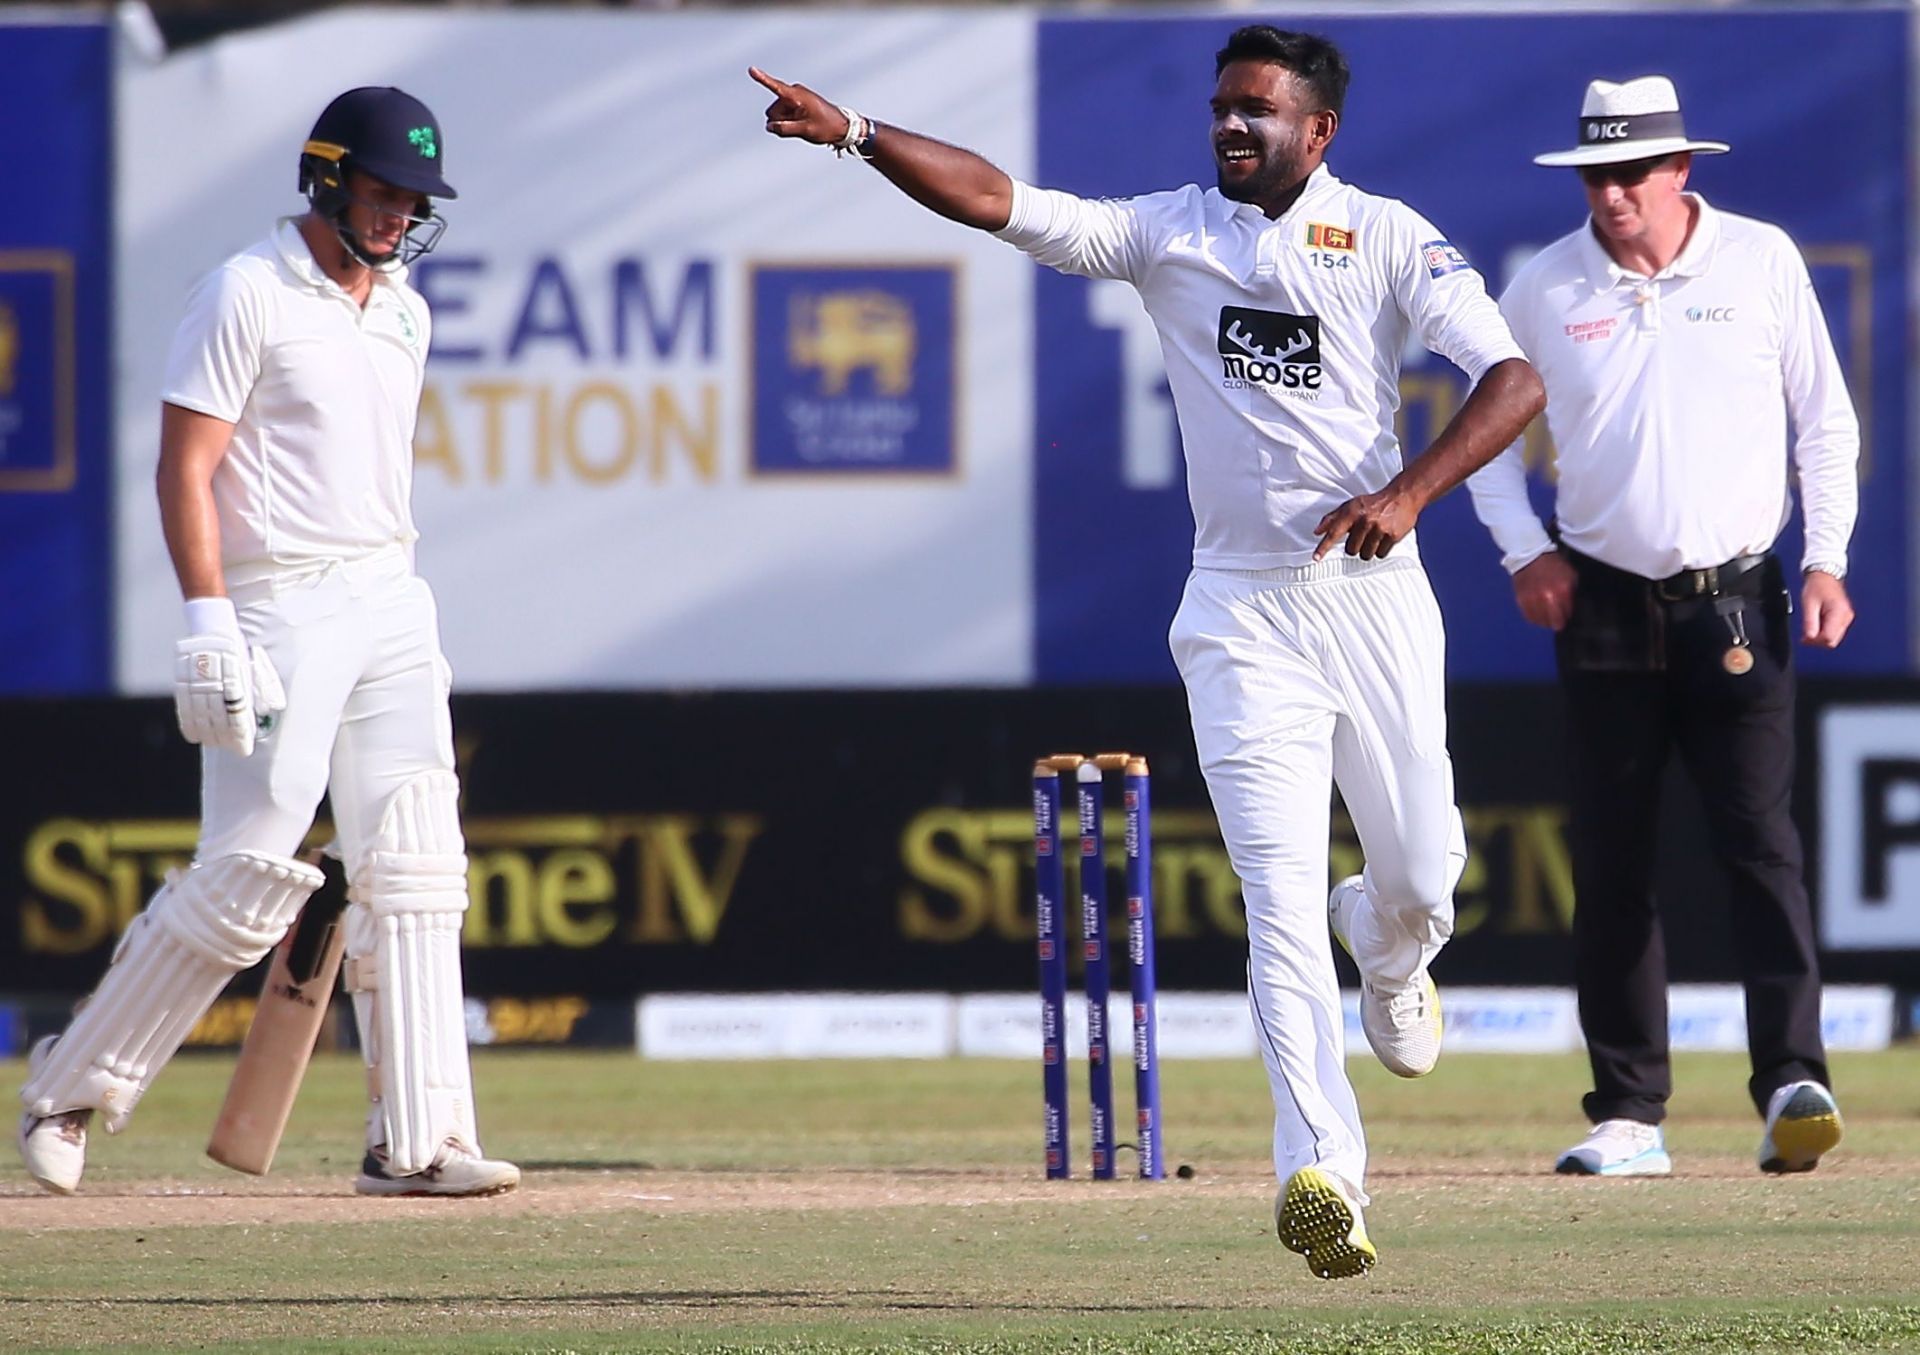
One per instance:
(389, 134)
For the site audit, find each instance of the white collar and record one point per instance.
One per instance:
(1316, 184)
(1693, 260)
(298, 257)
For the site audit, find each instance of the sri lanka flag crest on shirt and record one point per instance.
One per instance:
(1330, 237)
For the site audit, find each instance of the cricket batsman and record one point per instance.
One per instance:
(311, 665)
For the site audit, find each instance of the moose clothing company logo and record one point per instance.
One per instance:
(1270, 349)
(853, 369)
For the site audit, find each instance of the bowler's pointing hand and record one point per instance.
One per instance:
(798, 111)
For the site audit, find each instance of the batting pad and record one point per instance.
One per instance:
(205, 925)
(403, 968)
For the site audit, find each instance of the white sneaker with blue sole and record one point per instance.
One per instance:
(1618, 1148)
(1803, 1124)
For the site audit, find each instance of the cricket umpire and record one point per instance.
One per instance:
(1678, 343)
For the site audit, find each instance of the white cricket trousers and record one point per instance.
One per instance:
(358, 647)
(1300, 678)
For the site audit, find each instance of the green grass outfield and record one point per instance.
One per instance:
(899, 1206)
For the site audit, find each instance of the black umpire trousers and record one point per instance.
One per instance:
(1645, 677)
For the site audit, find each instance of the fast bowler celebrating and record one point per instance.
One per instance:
(311, 665)
(1284, 298)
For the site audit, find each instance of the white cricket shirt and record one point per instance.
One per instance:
(322, 395)
(1282, 340)
(1668, 400)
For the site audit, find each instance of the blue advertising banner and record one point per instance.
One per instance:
(853, 369)
(56, 240)
(1446, 113)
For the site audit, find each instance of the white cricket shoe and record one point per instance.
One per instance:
(454, 1172)
(1618, 1148)
(1402, 1023)
(1317, 1216)
(1803, 1123)
(53, 1147)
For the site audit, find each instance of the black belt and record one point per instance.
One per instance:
(1699, 583)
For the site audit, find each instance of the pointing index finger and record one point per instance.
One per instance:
(760, 77)
(1333, 529)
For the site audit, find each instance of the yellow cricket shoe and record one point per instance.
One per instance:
(1803, 1125)
(1317, 1217)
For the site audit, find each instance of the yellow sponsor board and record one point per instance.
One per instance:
(970, 874)
(571, 880)
(581, 881)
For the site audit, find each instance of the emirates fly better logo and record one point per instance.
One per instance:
(1270, 349)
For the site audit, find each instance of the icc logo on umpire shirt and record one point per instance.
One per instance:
(853, 369)
(1870, 827)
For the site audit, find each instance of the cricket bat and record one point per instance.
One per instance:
(279, 1043)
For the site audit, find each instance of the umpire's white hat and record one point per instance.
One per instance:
(1638, 120)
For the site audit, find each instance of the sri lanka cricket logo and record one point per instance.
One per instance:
(840, 333)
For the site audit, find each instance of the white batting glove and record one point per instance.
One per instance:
(222, 686)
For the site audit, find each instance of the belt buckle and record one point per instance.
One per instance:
(1698, 583)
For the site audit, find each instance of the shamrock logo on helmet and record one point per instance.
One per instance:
(423, 140)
